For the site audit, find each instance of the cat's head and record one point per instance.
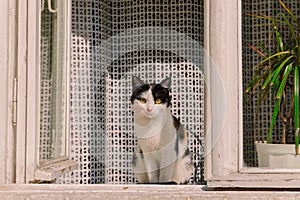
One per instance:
(150, 99)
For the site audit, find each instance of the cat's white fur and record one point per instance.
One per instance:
(156, 138)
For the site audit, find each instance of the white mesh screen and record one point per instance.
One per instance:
(110, 43)
(53, 79)
(256, 127)
(187, 95)
(46, 86)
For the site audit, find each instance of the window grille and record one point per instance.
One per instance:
(46, 86)
(106, 42)
(53, 78)
(255, 126)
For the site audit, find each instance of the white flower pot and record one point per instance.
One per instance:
(277, 155)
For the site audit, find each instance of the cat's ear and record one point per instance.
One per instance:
(166, 83)
(136, 82)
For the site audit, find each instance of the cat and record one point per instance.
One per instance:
(162, 154)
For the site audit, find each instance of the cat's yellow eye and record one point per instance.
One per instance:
(143, 100)
(158, 101)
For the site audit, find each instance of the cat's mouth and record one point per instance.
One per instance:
(145, 113)
(149, 114)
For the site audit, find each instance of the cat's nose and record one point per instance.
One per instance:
(149, 109)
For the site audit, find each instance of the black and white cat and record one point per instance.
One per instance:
(162, 154)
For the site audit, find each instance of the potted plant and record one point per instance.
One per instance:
(278, 67)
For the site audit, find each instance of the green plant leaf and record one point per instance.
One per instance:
(263, 95)
(259, 16)
(275, 87)
(268, 79)
(273, 56)
(278, 70)
(296, 96)
(273, 120)
(290, 27)
(252, 84)
(286, 74)
(266, 17)
(288, 10)
(269, 75)
(296, 107)
(298, 47)
(278, 39)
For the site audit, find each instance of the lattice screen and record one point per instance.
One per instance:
(111, 41)
(255, 127)
(46, 86)
(102, 135)
(53, 78)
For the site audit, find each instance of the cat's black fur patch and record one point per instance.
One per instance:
(179, 136)
(161, 93)
(142, 154)
(134, 160)
(176, 123)
(188, 153)
(138, 92)
(179, 132)
(134, 157)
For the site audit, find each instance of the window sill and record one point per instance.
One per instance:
(256, 180)
(166, 192)
(53, 169)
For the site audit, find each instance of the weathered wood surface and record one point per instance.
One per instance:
(144, 192)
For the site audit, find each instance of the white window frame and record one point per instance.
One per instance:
(7, 32)
(224, 163)
(19, 150)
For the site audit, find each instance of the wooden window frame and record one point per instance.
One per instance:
(7, 52)
(224, 161)
(20, 146)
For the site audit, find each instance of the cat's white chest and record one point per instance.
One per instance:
(158, 135)
(149, 138)
(147, 128)
(151, 144)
